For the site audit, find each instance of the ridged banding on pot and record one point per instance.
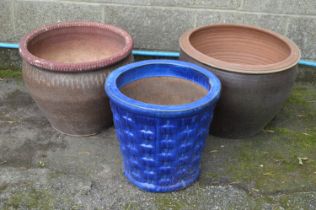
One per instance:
(71, 95)
(63, 80)
(240, 48)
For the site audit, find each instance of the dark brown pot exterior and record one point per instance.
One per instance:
(257, 68)
(248, 101)
(73, 102)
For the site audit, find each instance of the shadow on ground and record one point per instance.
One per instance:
(43, 169)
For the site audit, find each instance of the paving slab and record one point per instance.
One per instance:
(43, 169)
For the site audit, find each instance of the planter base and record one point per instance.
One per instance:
(154, 188)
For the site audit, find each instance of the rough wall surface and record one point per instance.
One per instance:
(157, 24)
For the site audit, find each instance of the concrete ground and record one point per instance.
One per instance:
(43, 169)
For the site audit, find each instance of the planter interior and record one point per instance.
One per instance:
(76, 44)
(240, 45)
(240, 48)
(164, 90)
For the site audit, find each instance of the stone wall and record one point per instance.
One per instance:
(157, 24)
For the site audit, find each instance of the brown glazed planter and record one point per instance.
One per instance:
(64, 69)
(257, 69)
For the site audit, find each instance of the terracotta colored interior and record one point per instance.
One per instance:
(164, 90)
(240, 45)
(76, 45)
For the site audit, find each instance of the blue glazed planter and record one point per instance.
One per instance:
(161, 144)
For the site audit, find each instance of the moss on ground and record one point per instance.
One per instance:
(3, 187)
(43, 199)
(280, 159)
(165, 201)
(12, 74)
(303, 200)
(168, 202)
(131, 206)
(33, 199)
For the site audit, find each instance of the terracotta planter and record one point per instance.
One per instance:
(64, 69)
(257, 68)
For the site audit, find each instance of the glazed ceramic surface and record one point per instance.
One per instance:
(161, 144)
(64, 69)
(257, 69)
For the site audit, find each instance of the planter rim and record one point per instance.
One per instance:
(118, 97)
(74, 67)
(285, 64)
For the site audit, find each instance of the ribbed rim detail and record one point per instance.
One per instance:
(187, 47)
(75, 67)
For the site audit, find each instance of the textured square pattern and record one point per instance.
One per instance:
(161, 154)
